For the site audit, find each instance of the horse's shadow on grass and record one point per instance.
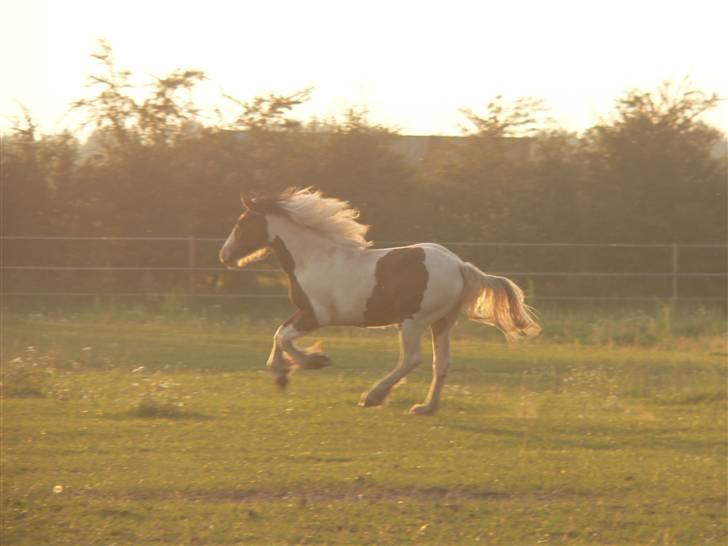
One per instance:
(162, 413)
(185, 417)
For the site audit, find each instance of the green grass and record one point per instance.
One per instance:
(167, 430)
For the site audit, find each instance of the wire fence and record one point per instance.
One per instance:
(647, 271)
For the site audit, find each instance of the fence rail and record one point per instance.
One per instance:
(221, 270)
(672, 271)
(378, 243)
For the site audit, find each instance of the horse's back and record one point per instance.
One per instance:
(385, 286)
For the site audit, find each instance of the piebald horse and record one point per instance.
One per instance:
(336, 279)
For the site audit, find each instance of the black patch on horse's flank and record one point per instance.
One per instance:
(304, 319)
(401, 278)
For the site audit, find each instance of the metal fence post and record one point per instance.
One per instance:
(190, 264)
(675, 271)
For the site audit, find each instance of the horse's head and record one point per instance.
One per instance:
(249, 239)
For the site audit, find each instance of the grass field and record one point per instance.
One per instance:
(135, 428)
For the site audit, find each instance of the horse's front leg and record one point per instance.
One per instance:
(285, 355)
(277, 363)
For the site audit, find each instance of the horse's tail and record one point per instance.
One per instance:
(497, 301)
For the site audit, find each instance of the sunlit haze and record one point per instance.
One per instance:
(413, 65)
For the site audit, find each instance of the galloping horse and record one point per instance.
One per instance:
(336, 279)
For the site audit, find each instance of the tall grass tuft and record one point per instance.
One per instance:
(150, 408)
(25, 376)
(161, 400)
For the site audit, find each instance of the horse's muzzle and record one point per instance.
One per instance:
(227, 261)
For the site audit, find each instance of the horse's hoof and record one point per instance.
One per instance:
(281, 381)
(369, 401)
(422, 409)
(316, 361)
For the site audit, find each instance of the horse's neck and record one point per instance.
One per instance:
(303, 246)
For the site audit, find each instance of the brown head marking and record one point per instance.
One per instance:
(249, 235)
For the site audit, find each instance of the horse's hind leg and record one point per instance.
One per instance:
(440, 363)
(410, 335)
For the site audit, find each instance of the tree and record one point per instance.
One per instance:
(36, 172)
(269, 140)
(486, 180)
(651, 174)
(125, 183)
(356, 163)
(159, 120)
(524, 118)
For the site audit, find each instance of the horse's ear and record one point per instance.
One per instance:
(247, 200)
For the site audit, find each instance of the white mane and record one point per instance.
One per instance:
(331, 217)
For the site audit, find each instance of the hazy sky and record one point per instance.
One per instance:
(414, 64)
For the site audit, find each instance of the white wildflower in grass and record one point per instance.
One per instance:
(58, 489)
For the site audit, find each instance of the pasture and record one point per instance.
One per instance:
(130, 427)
